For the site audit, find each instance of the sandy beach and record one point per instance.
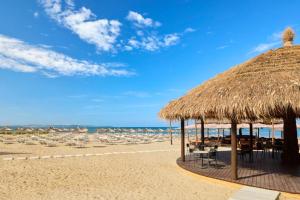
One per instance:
(144, 171)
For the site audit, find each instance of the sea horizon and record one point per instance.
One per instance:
(264, 132)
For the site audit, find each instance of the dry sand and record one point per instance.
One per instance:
(152, 175)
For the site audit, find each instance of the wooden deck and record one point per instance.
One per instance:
(264, 171)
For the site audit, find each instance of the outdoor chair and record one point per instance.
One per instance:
(268, 147)
(259, 147)
(245, 150)
(201, 147)
(189, 149)
(212, 157)
(196, 157)
(277, 148)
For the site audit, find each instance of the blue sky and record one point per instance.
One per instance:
(118, 63)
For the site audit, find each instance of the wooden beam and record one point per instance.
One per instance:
(202, 131)
(234, 172)
(182, 141)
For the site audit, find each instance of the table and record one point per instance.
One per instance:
(201, 153)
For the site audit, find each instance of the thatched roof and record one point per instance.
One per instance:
(262, 87)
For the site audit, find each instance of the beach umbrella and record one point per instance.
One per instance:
(7, 129)
(51, 131)
(132, 130)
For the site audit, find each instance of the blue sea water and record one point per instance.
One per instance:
(263, 132)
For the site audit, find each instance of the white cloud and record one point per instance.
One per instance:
(143, 105)
(102, 33)
(146, 39)
(171, 39)
(36, 14)
(276, 36)
(273, 40)
(78, 96)
(97, 100)
(139, 94)
(19, 56)
(222, 47)
(133, 43)
(189, 30)
(153, 42)
(140, 33)
(140, 21)
(128, 48)
(263, 47)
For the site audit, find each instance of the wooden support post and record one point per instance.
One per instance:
(188, 131)
(290, 149)
(196, 131)
(171, 135)
(251, 140)
(202, 131)
(234, 172)
(240, 134)
(273, 133)
(182, 141)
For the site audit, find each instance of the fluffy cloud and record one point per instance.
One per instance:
(152, 42)
(264, 46)
(148, 39)
(102, 33)
(139, 94)
(189, 30)
(36, 14)
(171, 39)
(19, 56)
(272, 41)
(140, 21)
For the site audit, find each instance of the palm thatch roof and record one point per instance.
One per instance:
(261, 88)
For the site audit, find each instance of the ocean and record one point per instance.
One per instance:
(264, 132)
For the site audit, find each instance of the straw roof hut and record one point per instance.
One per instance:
(264, 87)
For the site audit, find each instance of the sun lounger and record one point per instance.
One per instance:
(9, 142)
(51, 144)
(28, 142)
